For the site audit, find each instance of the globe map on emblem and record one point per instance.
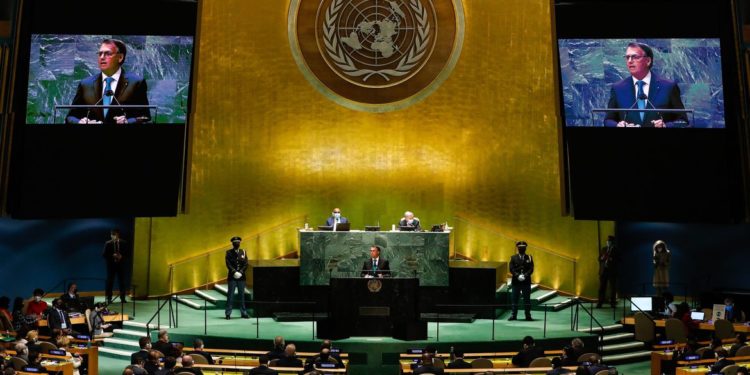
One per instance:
(376, 55)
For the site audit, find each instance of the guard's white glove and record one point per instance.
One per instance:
(521, 277)
(237, 275)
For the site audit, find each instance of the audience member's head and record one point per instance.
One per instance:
(426, 358)
(62, 341)
(325, 353)
(58, 303)
(556, 362)
(32, 336)
(198, 344)
(721, 353)
(742, 371)
(263, 360)
(38, 294)
(21, 349)
(34, 358)
(169, 363)
(528, 342)
(163, 335)
(153, 357)
(187, 361)
(431, 350)
(278, 342)
(144, 342)
(577, 343)
(326, 344)
(458, 354)
(290, 350)
(741, 337)
(128, 370)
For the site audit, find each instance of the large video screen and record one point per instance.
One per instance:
(151, 76)
(682, 82)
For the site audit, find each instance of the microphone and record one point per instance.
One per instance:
(107, 93)
(112, 94)
(643, 96)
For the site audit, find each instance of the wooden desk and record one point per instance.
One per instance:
(281, 370)
(738, 327)
(513, 370)
(82, 320)
(61, 366)
(92, 352)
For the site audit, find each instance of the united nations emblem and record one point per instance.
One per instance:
(362, 53)
(374, 285)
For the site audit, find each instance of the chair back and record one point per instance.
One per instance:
(45, 346)
(723, 329)
(675, 330)
(541, 362)
(699, 351)
(481, 363)
(185, 373)
(645, 329)
(18, 362)
(707, 313)
(273, 362)
(730, 370)
(586, 357)
(743, 351)
(602, 372)
(438, 362)
(199, 359)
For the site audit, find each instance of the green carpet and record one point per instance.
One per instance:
(370, 355)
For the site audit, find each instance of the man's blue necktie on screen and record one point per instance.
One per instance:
(107, 100)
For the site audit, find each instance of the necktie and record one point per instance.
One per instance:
(641, 102)
(374, 264)
(107, 100)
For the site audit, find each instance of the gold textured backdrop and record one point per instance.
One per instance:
(268, 148)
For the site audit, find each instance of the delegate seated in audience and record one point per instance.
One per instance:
(134, 370)
(62, 343)
(529, 353)
(669, 306)
(169, 365)
(683, 314)
(36, 307)
(290, 357)
(427, 366)
(187, 366)
(35, 362)
(22, 351)
(145, 344)
(263, 368)
(97, 320)
(152, 364)
(71, 300)
(569, 357)
(557, 367)
(743, 371)
(327, 344)
(278, 348)
(32, 340)
(58, 317)
(165, 347)
(198, 349)
(458, 360)
(325, 357)
(721, 360)
(432, 351)
(741, 340)
(578, 347)
(595, 365)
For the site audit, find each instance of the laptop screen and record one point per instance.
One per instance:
(641, 304)
(697, 315)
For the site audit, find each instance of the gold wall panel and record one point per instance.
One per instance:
(268, 147)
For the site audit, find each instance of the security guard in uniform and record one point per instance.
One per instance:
(521, 268)
(236, 260)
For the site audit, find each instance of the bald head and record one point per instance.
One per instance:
(290, 350)
(187, 361)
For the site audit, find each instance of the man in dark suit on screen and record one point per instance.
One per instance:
(375, 266)
(113, 86)
(644, 90)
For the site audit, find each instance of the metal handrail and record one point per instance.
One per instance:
(157, 315)
(592, 320)
(493, 306)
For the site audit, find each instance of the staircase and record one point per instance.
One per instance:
(541, 298)
(211, 299)
(619, 346)
(124, 342)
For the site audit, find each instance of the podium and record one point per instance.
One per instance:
(629, 114)
(373, 307)
(121, 107)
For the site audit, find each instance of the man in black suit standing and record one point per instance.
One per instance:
(113, 86)
(607, 270)
(521, 268)
(236, 260)
(116, 255)
(262, 368)
(375, 267)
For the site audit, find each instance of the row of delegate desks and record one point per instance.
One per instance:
(699, 366)
(80, 319)
(706, 326)
(500, 360)
(85, 349)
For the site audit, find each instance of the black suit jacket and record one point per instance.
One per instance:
(524, 357)
(109, 251)
(204, 354)
(131, 90)
(720, 364)
(141, 354)
(263, 370)
(166, 348)
(289, 362)
(54, 320)
(663, 94)
(193, 370)
(415, 224)
(384, 268)
(236, 262)
(459, 363)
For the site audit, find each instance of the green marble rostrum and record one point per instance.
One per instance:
(341, 254)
